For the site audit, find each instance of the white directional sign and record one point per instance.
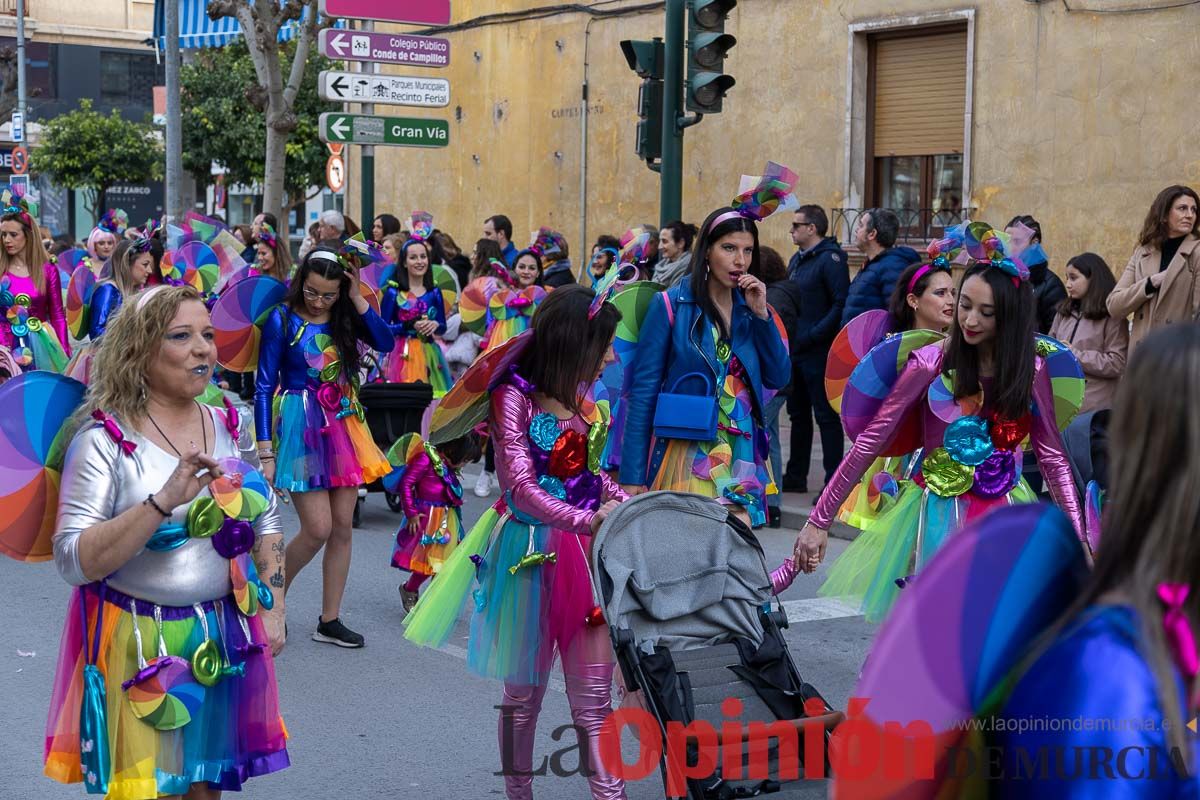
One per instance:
(394, 90)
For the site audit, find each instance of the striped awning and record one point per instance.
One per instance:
(196, 30)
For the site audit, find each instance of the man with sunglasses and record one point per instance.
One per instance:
(820, 268)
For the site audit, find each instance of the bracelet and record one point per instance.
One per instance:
(150, 502)
(266, 457)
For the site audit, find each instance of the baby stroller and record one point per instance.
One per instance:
(685, 590)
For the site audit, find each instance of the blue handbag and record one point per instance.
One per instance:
(687, 416)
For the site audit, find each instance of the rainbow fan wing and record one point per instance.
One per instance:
(32, 446)
(1066, 378)
(376, 275)
(954, 637)
(871, 381)
(79, 299)
(400, 455)
(237, 318)
(370, 296)
(229, 253)
(171, 266)
(849, 347)
(244, 579)
(466, 404)
(241, 491)
(943, 404)
(443, 279)
(202, 269)
(165, 694)
(73, 259)
(203, 228)
(473, 305)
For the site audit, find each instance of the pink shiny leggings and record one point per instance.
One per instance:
(589, 693)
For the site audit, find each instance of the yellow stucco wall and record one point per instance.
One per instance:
(113, 23)
(1079, 118)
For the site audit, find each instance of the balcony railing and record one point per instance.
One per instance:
(917, 225)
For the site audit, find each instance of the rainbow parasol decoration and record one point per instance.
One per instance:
(70, 260)
(32, 447)
(202, 228)
(473, 305)
(164, 694)
(466, 404)
(443, 279)
(947, 651)
(400, 455)
(870, 383)
(237, 318)
(79, 300)
(1066, 378)
(241, 491)
(851, 346)
(202, 268)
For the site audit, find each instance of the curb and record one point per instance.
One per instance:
(795, 515)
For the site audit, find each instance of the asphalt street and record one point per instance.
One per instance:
(392, 720)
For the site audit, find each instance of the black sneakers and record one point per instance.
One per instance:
(334, 632)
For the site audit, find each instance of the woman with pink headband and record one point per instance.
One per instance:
(970, 402)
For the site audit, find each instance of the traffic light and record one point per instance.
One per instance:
(646, 59)
(707, 46)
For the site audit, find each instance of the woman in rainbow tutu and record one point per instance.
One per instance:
(970, 402)
(528, 554)
(311, 435)
(33, 322)
(165, 684)
(705, 354)
(414, 309)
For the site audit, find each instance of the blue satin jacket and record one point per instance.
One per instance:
(1086, 719)
(281, 362)
(106, 299)
(667, 351)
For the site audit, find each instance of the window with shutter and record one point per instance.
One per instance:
(917, 104)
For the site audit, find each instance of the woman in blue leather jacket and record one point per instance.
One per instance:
(707, 349)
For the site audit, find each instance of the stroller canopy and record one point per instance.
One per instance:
(676, 570)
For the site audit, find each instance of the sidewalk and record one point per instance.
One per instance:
(797, 507)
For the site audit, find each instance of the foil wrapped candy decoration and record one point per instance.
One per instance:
(533, 560)
(1007, 434)
(569, 455)
(205, 518)
(206, 661)
(235, 536)
(944, 476)
(329, 396)
(553, 487)
(544, 431)
(967, 440)
(597, 438)
(997, 475)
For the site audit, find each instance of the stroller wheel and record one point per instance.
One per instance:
(393, 501)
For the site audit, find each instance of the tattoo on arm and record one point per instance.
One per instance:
(272, 565)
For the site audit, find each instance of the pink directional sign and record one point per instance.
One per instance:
(417, 12)
(384, 48)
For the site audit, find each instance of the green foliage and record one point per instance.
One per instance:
(89, 151)
(221, 125)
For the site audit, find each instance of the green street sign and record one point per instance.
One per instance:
(342, 128)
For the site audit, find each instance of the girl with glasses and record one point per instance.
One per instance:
(311, 437)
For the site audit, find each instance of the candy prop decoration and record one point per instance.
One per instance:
(237, 318)
(241, 491)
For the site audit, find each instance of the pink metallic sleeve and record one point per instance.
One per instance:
(511, 415)
(908, 391)
(1051, 454)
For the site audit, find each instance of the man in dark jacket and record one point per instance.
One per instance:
(819, 268)
(875, 234)
(1048, 288)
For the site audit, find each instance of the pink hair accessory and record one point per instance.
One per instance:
(114, 432)
(233, 420)
(1180, 639)
(145, 295)
(921, 273)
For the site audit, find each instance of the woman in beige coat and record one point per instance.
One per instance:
(1159, 284)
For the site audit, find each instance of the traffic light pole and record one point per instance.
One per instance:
(671, 186)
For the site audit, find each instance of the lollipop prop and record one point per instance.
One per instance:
(164, 694)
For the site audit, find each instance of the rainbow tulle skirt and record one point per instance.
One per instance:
(316, 450)
(894, 545)
(234, 731)
(415, 360)
(425, 553)
(521, 619)
(37, 349)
